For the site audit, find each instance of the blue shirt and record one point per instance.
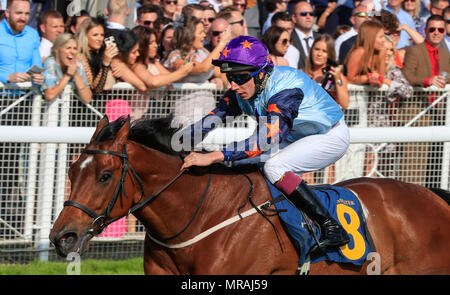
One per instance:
(18, 52)
(405, 19)
(53, 74)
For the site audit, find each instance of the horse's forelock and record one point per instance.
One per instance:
(110, 130)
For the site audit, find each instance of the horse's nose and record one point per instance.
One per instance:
(64, 242)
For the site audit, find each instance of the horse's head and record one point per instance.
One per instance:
(98, 182)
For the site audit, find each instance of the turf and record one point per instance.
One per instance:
(87, 267)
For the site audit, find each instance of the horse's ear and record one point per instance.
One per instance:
(103, 122)
(122, 135)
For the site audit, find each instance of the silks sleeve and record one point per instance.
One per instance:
(272, 129)
(226, 107)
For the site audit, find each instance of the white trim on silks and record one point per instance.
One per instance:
(209, 231)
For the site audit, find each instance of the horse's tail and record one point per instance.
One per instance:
(444, 194)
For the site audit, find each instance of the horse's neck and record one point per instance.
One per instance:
(156, 171)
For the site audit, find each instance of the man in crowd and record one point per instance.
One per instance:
(147, 15)
(117, 12)
(235, 19)
(359, 15)
(169, 8)
(19, 45)
(52, 25)
(273, 6)
(302, 36)
(218, 26)
(446, 42)
(424, 62)
(395, 7)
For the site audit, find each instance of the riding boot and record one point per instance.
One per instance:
(333, 235)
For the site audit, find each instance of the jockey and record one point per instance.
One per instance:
(301, 128)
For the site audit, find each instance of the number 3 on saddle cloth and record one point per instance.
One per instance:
(345, 207)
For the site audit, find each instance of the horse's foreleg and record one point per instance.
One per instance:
(157, 261)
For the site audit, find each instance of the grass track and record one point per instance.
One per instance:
(88, 267)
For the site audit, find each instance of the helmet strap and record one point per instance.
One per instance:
(260, 83)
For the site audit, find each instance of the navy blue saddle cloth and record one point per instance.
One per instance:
(345, 207)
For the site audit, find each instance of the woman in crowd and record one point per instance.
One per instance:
(366, 60)
(95, 57)
(62, 68)
(399, 87)
(148, 68)
(321, 64)
(277, 41)
(188, 45)
(393, 28)
(165, 42)
(127, 43)
(412, 7)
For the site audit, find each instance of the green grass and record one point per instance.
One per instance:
(88, 267)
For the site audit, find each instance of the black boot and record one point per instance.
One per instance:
(333, 235)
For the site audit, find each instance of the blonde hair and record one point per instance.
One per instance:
(391, 62)
(60, 41)
(366, 39)
(82, 36)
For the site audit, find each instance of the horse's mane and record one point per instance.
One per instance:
(153, 133)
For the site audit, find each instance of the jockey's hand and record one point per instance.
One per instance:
(202, 160)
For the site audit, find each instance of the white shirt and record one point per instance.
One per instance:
(292, 55)
(342, 38)
(45, 49)
(302, 37)
(115, 26)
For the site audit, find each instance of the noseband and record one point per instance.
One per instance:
(102, 220)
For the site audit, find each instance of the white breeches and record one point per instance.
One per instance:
(311, 153)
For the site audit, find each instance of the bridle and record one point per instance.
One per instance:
(102, 219)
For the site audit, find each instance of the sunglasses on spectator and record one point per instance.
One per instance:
(209, 19)
(285, 41)
(148, 22)
(412, 1)
(440, 30)
(241, 22)
(216, 33)
(447, 21)
(363, 14)
(240, 5)
(171, 2)
(239, 79)
(305, 13)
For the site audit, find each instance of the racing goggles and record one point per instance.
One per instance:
(242, 78)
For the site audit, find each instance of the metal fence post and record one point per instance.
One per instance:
(446, 152)
(47, 172)
(32, 169)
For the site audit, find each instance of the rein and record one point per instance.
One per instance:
(102, 219)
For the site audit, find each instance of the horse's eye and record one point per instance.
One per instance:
(105, 177)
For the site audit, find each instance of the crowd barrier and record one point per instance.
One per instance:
(39, 140)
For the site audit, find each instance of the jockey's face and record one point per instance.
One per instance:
(247, 89)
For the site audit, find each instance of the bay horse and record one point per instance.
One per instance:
(130, 168)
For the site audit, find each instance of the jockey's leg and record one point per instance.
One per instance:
(311, 153)
(333, 235)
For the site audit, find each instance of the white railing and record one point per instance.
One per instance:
(33, 189)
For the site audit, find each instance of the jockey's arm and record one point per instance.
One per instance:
(272, 129)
